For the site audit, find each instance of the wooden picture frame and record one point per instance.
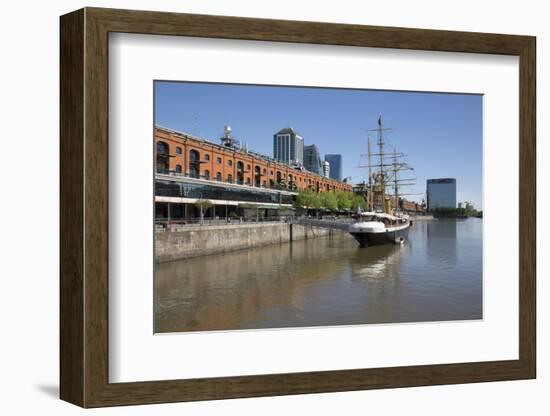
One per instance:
(84, 207)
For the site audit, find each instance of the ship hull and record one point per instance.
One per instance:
(367, 239)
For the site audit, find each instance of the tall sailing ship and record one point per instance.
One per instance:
(384, 222)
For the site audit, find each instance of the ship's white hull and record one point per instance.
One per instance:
(376, 233)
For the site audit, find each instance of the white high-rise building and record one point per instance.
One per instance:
(326, 168)
(288, 147)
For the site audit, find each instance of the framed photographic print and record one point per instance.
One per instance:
(255, 207)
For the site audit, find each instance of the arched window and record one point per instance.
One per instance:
(229, 162)
(194, 163)
(207, 157)
(207, 174)
(178, 150)
(257, 176)
(162, 148)
(230, 178)
(178, 169)
(163, 156)
(240, 174)
(219, 176)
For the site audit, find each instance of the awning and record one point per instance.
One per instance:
(265, 206)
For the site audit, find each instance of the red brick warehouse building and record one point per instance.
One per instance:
(189, 168)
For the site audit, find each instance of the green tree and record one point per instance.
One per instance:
(316, 203)
(329, 200)
(305, 199)
(343, 200)
(203, 205)
(357, 201)
(451, 212)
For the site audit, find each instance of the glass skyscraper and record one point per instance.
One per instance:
(312, 160)
(441, 193)
(335, 162)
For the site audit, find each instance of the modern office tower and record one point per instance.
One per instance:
(312, 159)
(335, 166)
(288, 147)
(441, 193)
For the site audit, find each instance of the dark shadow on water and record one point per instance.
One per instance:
(51, 390)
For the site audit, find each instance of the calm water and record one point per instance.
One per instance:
(435, 276)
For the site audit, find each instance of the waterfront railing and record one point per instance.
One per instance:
(162, 224)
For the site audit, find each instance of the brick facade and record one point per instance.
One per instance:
(411, 206)
(189, 155)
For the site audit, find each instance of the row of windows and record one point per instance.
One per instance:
(196, 156)
(180, 152)
(241, 180)
(194, 169)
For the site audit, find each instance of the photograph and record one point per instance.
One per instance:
(293, 206)
(320, 208)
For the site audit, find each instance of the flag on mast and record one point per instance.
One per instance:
(380, 120)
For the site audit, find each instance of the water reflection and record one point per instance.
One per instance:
(378, 262)
(326, 281)
(441, 241)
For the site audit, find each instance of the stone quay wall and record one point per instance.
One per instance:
(194, 240)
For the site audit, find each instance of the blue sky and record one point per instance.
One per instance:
(441, 134)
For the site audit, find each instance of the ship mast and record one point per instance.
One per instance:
(369, 193)
(381, 147)
(378, 188)
(386, 173)
(395, 181)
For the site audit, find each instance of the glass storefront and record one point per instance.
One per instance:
(207, 191)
